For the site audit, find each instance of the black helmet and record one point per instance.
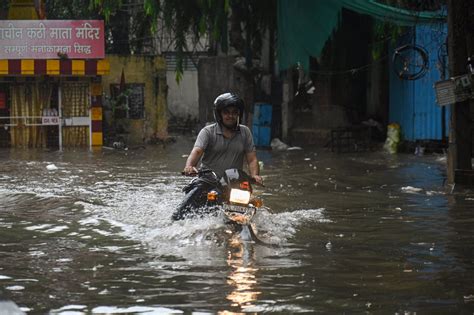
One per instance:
(226, 100)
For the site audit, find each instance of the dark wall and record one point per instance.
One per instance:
(340, 91)
(217, 75)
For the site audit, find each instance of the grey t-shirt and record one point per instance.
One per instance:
(221, 153)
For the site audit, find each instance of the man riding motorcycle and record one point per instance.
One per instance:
(224, 144)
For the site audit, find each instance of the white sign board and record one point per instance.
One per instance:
(50, 120)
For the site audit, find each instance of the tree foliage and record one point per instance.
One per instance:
(416, 5)
(131, 25)
(3, 9)
(384, 32)
(68, 10)
(197, 18)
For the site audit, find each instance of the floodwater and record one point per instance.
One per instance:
(90, 232)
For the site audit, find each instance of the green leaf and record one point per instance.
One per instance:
(179, 75)
(202, 25)
(226, 6)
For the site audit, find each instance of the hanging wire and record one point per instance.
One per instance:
(351, 71)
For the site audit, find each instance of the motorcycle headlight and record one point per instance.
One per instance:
(239, 196)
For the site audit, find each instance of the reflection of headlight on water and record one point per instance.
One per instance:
(243, 280)
(242, 277)
(242, 298)
(239, 196)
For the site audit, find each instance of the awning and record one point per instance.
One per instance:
(54, 67)
(304, 26)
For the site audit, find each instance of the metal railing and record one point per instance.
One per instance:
(45, 121)
(26, 121)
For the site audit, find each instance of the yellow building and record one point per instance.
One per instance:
(53, 88)
(143, 79)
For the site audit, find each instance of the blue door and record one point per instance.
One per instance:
(413, 102)
(261, 126)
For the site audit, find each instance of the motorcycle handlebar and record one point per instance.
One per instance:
(200, 172)
(196, 173)
(254, 182)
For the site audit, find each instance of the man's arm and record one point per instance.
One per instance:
(254, 168)
(192, 161)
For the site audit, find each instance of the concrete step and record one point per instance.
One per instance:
(310, 136)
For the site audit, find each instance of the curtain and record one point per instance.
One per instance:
(28, 102)
(75, 103)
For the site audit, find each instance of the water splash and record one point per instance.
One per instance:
(281, 227)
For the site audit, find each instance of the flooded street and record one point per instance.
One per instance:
(90, 232)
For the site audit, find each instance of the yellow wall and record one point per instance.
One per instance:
(22, 10)
(147, 70)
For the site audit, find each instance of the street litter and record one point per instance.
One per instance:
(278, 145)
(410, 189)
(51, 167)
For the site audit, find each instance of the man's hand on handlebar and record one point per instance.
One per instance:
(258, 179)
(190, 170)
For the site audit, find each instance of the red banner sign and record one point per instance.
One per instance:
(52, 39)
(3, 100)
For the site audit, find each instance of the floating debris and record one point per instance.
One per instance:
(410, 189)
(51, 167)
(329, 245)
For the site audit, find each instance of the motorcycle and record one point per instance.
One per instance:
(232, 195)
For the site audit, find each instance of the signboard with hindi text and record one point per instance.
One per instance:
(52, 39)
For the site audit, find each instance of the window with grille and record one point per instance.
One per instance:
(134, 95)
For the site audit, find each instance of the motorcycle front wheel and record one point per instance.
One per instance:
(189, 203)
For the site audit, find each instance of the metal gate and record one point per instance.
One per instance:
(23, 124)
(46, 114)
(75, 112)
